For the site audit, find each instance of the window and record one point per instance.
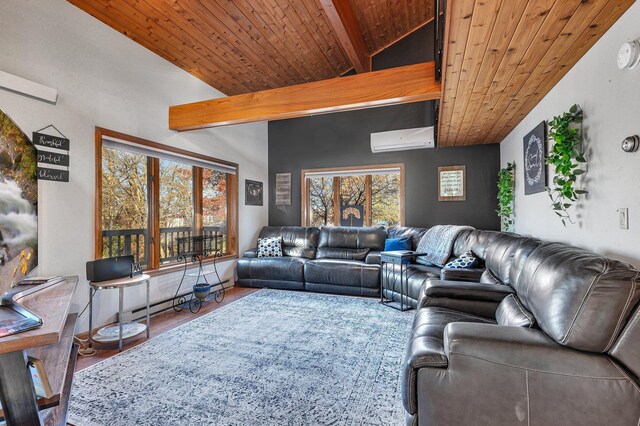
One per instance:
(148, 195)
(357, 196)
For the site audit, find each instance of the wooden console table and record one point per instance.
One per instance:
(53, 344)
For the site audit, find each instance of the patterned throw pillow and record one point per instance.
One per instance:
(467, 260)
(269, 247)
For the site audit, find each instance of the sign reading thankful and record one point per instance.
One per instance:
(53, 174)
(51, 141)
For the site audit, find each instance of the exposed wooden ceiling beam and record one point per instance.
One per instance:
(345, 26)
(412, 83)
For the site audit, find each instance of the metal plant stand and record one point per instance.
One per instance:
(190, 251)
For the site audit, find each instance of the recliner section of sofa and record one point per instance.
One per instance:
(337, 260)
(561, 346)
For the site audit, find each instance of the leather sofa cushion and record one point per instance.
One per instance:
(520, 257)
(580, 299)
(474, 240)
(297, 241)
(426, 346)
(351, 273)
(342, 253)
(499, 255)
(511, 312)
(488, 278)
(272, 268)
(352, 238)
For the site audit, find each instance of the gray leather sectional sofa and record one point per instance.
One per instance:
(328, 259)
(540, 333)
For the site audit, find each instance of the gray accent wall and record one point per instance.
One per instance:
(343, 139)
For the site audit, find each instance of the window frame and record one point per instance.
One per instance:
(153, 169)
(304, 187)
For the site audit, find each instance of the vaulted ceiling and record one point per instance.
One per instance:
(243, 46)
(503, 56)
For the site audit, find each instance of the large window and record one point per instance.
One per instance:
(357, 196)
(148, 195)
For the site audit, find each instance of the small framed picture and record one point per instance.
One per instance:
(253, 191)
(452, 183)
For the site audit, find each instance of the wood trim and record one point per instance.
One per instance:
(402, 195)
(336, 200)
(304, 200)
(168, 148)
(411, 83)
(198, 201)
(153, 173)
(367, 200)
(97, 230)
(232, 213)
(354, 168)
(347, 31)
(464, 183)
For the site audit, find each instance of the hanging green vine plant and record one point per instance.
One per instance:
(566, 156)
(506, 180)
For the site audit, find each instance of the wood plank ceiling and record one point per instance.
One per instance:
(243, 46)
(503, 56)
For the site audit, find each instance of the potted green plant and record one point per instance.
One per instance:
(566, 157)
(506, 180)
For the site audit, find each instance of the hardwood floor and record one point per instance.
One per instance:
(160, 323)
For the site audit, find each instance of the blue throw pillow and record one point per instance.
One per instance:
(394, 244)
(467, 260)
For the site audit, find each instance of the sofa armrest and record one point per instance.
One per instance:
(462, 274)
(514, 375)
(373, 258)
(473, 298)
(524, 348)
(251, 253)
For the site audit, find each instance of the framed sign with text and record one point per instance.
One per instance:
(452, 183)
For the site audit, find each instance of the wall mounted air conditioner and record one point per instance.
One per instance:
(400, 140)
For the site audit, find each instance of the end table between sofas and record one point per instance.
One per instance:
(388, 259)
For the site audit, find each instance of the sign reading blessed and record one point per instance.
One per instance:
(55, 175)
(452, 183)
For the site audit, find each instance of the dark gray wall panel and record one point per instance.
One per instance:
(342, 139)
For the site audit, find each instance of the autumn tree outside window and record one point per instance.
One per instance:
(371, 195)
(148, 195)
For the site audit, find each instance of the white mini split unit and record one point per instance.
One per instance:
(401, 140)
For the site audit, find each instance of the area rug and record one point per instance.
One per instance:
(270, 358)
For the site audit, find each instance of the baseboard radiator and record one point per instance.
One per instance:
(139, 312)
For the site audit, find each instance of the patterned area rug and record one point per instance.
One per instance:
(270, 358)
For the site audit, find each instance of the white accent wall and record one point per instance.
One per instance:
(610, 99)
(105, 79)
